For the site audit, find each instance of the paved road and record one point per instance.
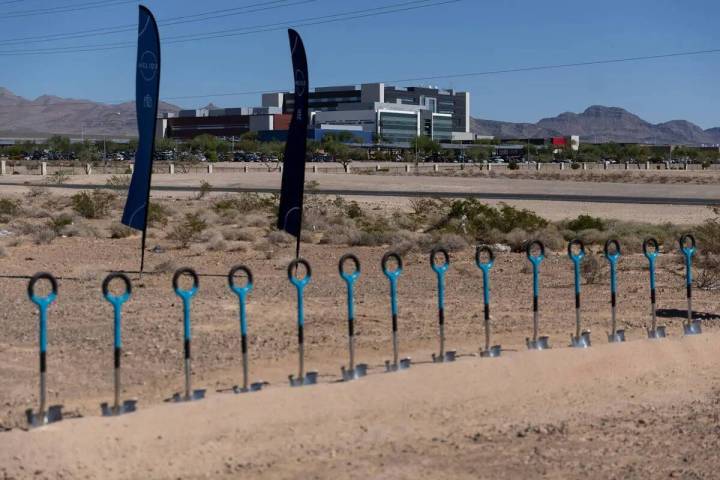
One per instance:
(559, 197)
(418, 186)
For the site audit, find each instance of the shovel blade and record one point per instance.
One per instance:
(449, 356)
(38, 419)
(198, 394)
(310, 378)
(404, 364)
(583, 341)
(542, 343)
(128, 406)
(359, 371)
(616, 337)
(693, 328)
(492, 352)
(658, 333)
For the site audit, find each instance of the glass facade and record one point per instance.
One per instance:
(397, 127)
(442, 128)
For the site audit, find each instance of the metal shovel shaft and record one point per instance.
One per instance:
(351, 349)
(243, 339)
(442, 339)
(536, 319)
(689, 305)
(188, 389)
(395, 347)
(116, 373)
(43, 398)
(487, 326)
(577, 322)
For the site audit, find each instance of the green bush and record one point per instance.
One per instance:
(158, 214)
(586, 222)
(188, 230)
(353, 210)
(205, 188)
(8, 207)
(244, 203)
(60, 222)
(478, 219)
(95, 204)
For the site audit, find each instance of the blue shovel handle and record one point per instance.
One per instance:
(186, 295)
(43, 303)
(688, 252)
(392, 276)
(440, 269)
(241, 292)
(117, 301)
(576, 259)
(350, 279)
(485, 267)
(536, 260)
(612, 258)
(651, 255)
(300, 284)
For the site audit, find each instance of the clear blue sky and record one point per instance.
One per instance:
(467, 36)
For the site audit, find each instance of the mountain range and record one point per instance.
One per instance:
(602, 124)
(49, 114)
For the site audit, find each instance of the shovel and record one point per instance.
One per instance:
(52, 414)
(536, 343)
(311, 377)
(494, 350)
(360, 370)
(581, 339)
(242, 292)
(651, 249)
(118, 407)
(440, 270)
(612, 254)
(688, 247)
(392, 276)
(186, 296)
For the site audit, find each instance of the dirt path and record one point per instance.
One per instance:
(640, 410)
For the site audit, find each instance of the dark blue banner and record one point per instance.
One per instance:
(147, 92)
(293, 179)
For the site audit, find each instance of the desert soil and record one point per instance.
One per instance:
(643, 409)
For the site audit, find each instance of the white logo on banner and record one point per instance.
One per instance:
(148, 65)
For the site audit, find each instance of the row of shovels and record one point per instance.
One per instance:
(349, 269)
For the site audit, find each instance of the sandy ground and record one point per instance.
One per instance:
(639, 410)
(552, 210)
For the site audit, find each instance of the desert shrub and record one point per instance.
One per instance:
(311, 185)
(354, 210)
(158, 214)
(120, 182)
(591, 269)
(279, 237)
(516, 239)
(708, 277)
(552, 238)
(341, 234)
(8, 208)
(95, 204)
(586, 222)
(453, 242)
(3, 251)
(43, 235)
(58, 223)
(217, 243)
(36, 191)
(575, 165)
(244, 203)
(513, 166)
(708, 234)
(205, 188)
(375, 230)
(188, 229)
(423, 206)
(477, 218)
(118, 230)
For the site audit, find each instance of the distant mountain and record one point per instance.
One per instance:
(602, 124)
(48, 114)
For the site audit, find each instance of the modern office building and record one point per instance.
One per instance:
(385, 114)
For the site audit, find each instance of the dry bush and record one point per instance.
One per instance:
(341, 234)
(217, 243)
(8, 208)
(95, 204)
(59, 222)
(708, 277)
(517, 239)
(119, 182)
(36, 191)
(279, 237)
(188, 230)
(205, 189)
(591, 269)
(43, 235)
(159, 214)
(453, 242)
(3, 251)
(80, 229)
(552, 238)
(118, 230)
